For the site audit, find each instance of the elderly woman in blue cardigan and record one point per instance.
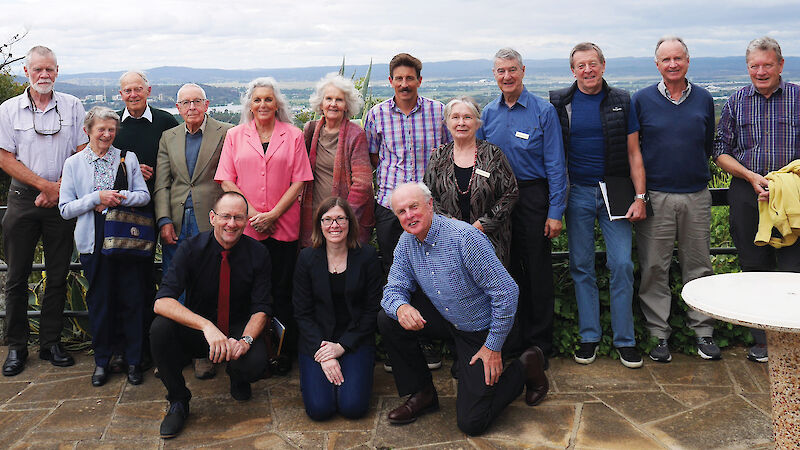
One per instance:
(115, 285)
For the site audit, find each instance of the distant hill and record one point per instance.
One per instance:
(727, 68)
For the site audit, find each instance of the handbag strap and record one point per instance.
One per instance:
(121, 181)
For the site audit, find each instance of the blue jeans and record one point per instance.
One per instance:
(323, 399)
(584, 205)
(188, 229)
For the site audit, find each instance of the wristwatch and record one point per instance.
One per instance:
(643, 197)
(247, 339)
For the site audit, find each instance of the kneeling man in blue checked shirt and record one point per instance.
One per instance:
(473, 299)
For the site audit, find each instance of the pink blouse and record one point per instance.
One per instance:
(262, 177)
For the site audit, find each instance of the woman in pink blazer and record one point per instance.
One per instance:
(265, 159)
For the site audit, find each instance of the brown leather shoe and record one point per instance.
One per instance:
(204, 369)
(417, 404)
(535, 379)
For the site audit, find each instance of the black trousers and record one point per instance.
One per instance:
(174, 345)
(532, 267)
(743, 219)
(388, 231)
(23, 225)
(283, 256)
(116, 290)
(477, 404)
(148, 299)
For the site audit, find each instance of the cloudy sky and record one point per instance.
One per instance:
(91, 36)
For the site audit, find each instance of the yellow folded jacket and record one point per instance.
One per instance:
(782, 211)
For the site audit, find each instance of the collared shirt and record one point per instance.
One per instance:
(530, 135)
(43, 155)
(761, 133)
(103, 167)
(457, 269)
(202, 125)
(147, 115)
(662, 87)
(195, 269)
(402, 142)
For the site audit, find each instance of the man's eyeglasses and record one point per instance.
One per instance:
(227, 217)
(45, 132)
(196, 102)
(328, 221)
(129, 91)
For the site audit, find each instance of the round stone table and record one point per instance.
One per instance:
(771, 301)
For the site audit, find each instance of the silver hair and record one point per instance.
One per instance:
(283, 114)
(585, 47)
(426, 191)
(135, 72)
(352, 97)
(670, 38)
(187, 85)
(40, 50)
(465, 100)
(764, 43)
(509, 53)
(99, 113)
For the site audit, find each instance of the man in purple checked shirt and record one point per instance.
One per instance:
(757, 134)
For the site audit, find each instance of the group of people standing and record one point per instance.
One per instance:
(263, 220)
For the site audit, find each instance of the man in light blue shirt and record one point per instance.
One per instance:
(526, 128)
(473, 299)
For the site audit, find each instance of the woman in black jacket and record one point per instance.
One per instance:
(337, 292)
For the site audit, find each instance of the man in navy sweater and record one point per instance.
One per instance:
(676, 120)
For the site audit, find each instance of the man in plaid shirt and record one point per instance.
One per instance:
(757, 134)
(401, 132)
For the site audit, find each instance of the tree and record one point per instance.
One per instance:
(9, 87)
(6, 57)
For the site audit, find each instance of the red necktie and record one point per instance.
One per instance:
(223, 298)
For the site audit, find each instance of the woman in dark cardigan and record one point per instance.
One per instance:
(337, 293)
(471, 179)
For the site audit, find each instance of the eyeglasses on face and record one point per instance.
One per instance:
(328, 221)
(137, 89)
(239, 218)
(196, 102)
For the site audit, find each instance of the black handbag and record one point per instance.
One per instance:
(129, 232)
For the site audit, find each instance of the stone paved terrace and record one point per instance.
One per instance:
(688, 403)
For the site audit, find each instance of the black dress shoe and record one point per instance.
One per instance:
(56, 355)
(418, 404)
(15, 362)
(536, 381)
(100, 376)
(241, 391)
(174, 420)
(135, 374)
(117, 364)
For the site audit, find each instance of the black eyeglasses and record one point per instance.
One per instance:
(328, 221)
(45, 132)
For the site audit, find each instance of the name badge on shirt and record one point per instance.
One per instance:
(522, 135)
(482, 173)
